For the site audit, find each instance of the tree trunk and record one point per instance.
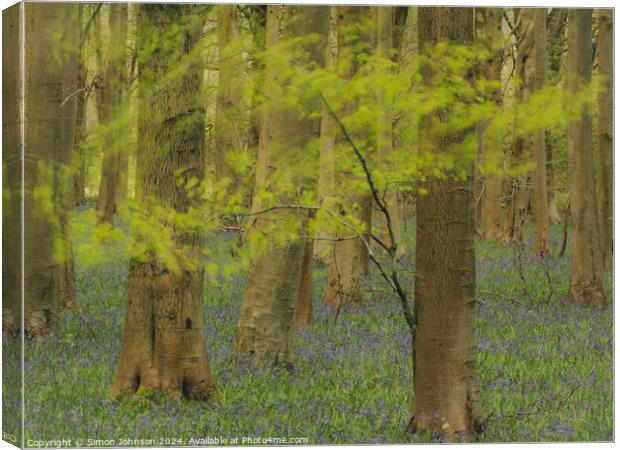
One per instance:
(230, 135)
(327, 174)
(447, 398)
(11, 180)
(385, 141)
(516, 206)
(79, 158)
(349, 258)
(110, 96)
(540, 191)
(164, 344)
(407, 53)
(266, 328)
(258, 25)
(586, 287)
(556, 26)
(491, 151)
(304, 307)
(49, 284)
(604, 178)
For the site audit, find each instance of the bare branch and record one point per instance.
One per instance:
(373, 188)
(272, 208)
(89, 23)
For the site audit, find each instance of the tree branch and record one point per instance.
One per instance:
(271, 208)
(373, 188)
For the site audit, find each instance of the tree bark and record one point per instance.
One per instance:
(49, 115)
(540, 190)
(516, 205)
(491, 148)
(586, 287)
(230, 135)
(266, 328)
(407, 53)
(447, 397)
(110, 96)
(164, 344)
(258, 25)
(79, 158)
(349, 258)
(327, 173)
(303, 315)
(385, 140)
(556, 45)
(11, 180)
(604, 179)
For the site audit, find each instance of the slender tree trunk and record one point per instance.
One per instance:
(128, 161)
(604, 179)
(52, 33)
(491, 151)
(406, 56)
(447, 397)
(79, 162)
(556, 26)
(349, 258)
(327, 174)
(164, 344)
(230, 137)
(111, 94)
(518, 195)
(586, 287)
(258, 25)
(540, 191)
(267, 322)
(385, 140)
(480, 131)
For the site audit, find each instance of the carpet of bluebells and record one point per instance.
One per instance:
(545, 367)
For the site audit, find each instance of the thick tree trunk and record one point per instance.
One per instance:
(604, 175)
(516, 205)
(586, 287)
(540, 191)
(49, 116)
(349, 258)
(164, 344)
(110, 96)
(267, 323)
(447, 397)
(491, 148)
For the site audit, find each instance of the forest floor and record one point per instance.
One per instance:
(546, 369)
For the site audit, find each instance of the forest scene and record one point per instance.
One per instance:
(243, 224)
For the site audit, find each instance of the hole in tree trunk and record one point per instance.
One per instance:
(185, 389)
(188, 323)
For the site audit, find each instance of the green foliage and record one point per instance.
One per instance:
(435, 91)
